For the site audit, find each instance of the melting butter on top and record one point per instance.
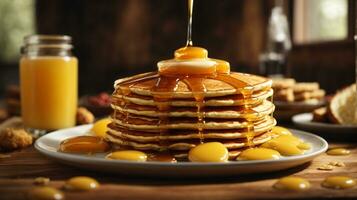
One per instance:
(45, 193)
(338, 182)
(259, 154)
(338, 152)
(84, 144)
(81, 183)
(292, 183)
(209, 152)
(130, 155)
(192, 61)
(186, 53)
(287, 145)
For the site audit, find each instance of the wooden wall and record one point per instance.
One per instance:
(117, 38)
(331, 64)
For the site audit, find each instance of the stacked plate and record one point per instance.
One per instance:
(224, 114)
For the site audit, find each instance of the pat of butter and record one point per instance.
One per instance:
(195, 66)
(199, 63)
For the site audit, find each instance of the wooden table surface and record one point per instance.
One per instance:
(18, 171)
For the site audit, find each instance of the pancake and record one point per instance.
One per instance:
(229, 100)
(265, 108)
(184, 145)
(189, 124)
(154, 113)
(143, 83)
(142, 136)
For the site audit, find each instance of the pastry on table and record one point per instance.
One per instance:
(99, 104)
(288, 90)
(303, 96)
(283, 83)
(286, 95)
(305, 86)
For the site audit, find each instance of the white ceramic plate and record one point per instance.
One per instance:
(49, 144)
(304, 121)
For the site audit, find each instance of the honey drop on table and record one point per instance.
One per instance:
(129, 155)
(209, 152)
(339, 182)
(338, 152)
(85, 145)
(292, 183)
(81, 183)
(259, 154)
(45, 193)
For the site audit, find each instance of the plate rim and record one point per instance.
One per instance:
(296, 120)
(65, 157)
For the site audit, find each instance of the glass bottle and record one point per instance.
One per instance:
(273, 62)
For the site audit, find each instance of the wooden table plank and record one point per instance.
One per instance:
(18, 171)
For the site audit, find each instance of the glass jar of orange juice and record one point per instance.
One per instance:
(48, 82)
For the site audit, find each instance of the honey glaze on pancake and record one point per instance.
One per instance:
(167, 81)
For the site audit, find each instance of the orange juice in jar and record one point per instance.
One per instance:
(48, 82)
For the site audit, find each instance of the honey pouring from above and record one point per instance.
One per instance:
(193, 105)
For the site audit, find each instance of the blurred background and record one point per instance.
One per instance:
(117, 38)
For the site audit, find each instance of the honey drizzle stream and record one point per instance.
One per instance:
(163, 92)
(247, 94)
(189, 24)
(123, 88)
(246, 90)
(198, 90)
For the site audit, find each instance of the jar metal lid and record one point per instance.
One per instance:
(33, 43)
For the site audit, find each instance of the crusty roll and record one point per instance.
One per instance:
(343, 106)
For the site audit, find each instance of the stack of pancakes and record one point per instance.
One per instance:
(139, 124)
(288, 90)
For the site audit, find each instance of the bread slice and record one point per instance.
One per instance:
(343, 106)
(320, 115)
